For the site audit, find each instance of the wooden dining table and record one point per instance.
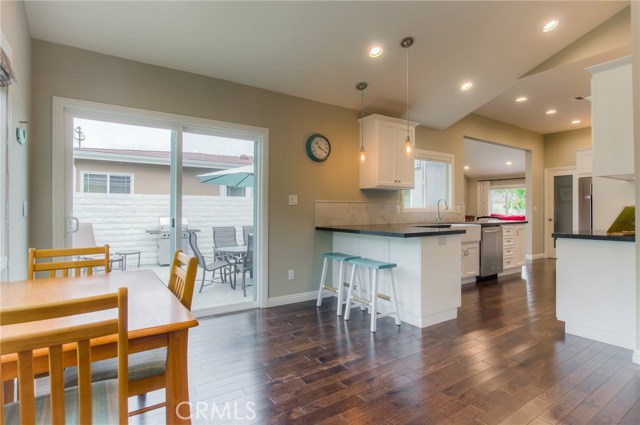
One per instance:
(156, 319)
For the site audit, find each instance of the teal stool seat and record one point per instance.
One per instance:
(336, 290)
(371, 303)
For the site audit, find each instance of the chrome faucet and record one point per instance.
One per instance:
(438, 214)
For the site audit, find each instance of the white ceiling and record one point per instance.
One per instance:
(318, 50)
(489, 160)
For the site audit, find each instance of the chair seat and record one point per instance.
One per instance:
(215, 265)
(141, 365)
(104, 401)
(339, 256)
(372, 264)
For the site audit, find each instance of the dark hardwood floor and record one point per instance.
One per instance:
(505, 359)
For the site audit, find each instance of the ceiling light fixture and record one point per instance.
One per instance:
(466, 86)
(551, 25)
(407, 146)
(375, 51)
(576, 122)
(466, 167)
(508, 163)
(551, 111)
(521, 99)
(361, 86)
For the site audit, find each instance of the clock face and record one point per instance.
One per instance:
(318, 147)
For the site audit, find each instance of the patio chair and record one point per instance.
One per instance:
(85, 238)
(245, 265)
(222, 265)
(246, 231)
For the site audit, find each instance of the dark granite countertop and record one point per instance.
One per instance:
(395, 230)
(496, 222)
(596, 235)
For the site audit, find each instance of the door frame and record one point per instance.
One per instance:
(62, 153)
(549, 174)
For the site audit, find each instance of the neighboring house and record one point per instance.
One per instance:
(147, 172)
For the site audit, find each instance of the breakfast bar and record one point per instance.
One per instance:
(428, 265)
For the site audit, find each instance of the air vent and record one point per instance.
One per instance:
(581, 98)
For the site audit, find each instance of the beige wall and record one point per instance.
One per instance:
(16, 31)
(560, 148)
(293, 242)
(149, 179)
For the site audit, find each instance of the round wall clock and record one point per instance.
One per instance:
(318, 147)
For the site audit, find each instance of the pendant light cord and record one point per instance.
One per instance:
(407, 92)
(362, 119)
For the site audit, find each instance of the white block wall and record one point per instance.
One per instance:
(122, 220)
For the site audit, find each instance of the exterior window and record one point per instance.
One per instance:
(433, 181)
(236, 191)
(107, 183)
(508, 201)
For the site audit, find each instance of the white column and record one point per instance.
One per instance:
(635, 47)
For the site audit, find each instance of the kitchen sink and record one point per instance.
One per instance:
(437, 226)
(472, 230)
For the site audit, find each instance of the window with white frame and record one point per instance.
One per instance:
(508, 197)
(433, 181)
(94, 182)
(241, 192)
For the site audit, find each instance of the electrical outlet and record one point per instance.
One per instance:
(292, 274)
(293, 199)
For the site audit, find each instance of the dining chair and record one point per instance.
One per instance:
(222, 265)
(245, 265)
(78, 266)
(147, 368)
(223, 237)
(76, 404)
(246, 231)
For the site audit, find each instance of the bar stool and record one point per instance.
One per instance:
(372, 267)
(338, 292)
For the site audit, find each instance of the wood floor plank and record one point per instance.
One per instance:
(505, 359)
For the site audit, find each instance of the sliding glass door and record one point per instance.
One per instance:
(150, 186)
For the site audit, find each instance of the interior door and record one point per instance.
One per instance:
(559, 207)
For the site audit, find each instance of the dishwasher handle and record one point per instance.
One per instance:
(496, 230)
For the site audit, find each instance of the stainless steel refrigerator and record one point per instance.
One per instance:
(585, 203)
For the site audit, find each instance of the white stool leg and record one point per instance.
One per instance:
(352, 282)
(340, 288)
(395, 298)
(322, 279)
(360, 291)
(374, 300)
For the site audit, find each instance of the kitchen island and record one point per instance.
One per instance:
(596, 286)
(428, 258)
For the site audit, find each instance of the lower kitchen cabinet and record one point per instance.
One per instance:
(513, 248)
(470, 260)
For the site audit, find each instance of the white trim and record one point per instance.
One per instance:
(292, 299)
(636, 357)
(223, 309)
(532, 257)
(64, 107)
(548, 173)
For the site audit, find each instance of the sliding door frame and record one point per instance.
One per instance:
(62, 152)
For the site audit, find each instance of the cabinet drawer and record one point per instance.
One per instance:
(508, 230)
(508, 250)
(509, 241)
(508, 262)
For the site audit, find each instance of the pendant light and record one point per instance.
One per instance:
(361, 86)
(407, 146)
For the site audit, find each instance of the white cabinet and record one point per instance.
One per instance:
(612, 119)
(470, 260)
(584, 162)
(513, 248)
(385, 166)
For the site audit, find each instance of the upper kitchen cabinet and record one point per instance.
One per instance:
(386, 166)
(612, 119)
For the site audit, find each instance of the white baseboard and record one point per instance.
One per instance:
(291, 299)
(535, 256)
(636, 356)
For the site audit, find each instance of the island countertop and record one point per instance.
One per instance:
(395, 230)
(597, 235)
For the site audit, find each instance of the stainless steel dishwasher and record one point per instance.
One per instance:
(490, 251)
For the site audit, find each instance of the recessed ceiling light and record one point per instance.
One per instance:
(551, 111)
(508, 163)
(521, 99)
(466, 167)
(551, 25)
(466, 86)
(375, 51)
(576, 122)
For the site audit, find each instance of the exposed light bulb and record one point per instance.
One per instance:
(407, 146)
(466, 167)
(363, 155)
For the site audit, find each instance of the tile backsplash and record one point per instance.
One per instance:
(344, 213)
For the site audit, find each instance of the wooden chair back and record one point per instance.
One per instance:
(63, 266)
(53, 338)
(183, 277)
